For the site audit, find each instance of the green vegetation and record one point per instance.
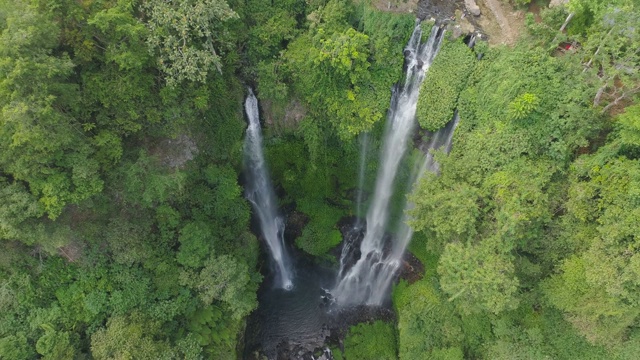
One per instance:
(444, 81)
(114, 245)
(342, 66)
(371, 341)
(532, 223)
(123, 228)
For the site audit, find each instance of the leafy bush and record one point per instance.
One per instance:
(371, 341)
(443, 83)
(320, 235)
(426, 321)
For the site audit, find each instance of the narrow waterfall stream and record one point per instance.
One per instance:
(259, 192)
(360, 284)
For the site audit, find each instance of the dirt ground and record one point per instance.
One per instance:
(396, 6)
(174, 153)
(500, 22)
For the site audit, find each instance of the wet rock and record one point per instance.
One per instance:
(457, 32)
(436, 9)
(175, 153)
(352, 232)
(463, 21)
(296, 221)
(412, 268)
(472, 7)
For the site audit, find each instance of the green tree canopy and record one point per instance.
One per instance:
(185, 35)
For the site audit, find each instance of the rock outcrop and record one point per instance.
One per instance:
(472, 7)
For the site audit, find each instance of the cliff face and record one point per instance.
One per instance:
(500, 23)
(438, 9)
(396, 6)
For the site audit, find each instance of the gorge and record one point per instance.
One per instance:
(304, 317)
(319, 180)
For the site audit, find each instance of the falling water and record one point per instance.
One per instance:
(259, 192)
(362, 280)
(441, 140)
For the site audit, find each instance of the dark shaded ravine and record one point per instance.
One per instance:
(303, 322)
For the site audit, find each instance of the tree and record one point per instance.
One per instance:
(448, 211)
(629, 126)
(129, 337)
(42, 143)
(55, 344)
(185, 34)
(227, 280)
(371, 341)
(443, 83)
(337, 63)
(16, 347)
(478, 277)
(598, 288)
(145, 183)
(196, 242)
(427, 322)
(18, 210)
(611, 45)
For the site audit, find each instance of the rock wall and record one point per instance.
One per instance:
(472, 7)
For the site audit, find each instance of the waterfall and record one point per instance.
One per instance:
(259, 192)
(441, 140)
(361, 284)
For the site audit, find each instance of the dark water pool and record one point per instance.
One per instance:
(288, 324)
(300, 323)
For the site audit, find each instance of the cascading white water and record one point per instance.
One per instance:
(359, 284)
(259, 192)
(441, 140)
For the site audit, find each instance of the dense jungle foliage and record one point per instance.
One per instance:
(123, 227)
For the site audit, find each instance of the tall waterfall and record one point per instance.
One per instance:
(259, 192)
(363, 282)
(441, 140)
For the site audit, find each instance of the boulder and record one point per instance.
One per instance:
(472, 7)
(457, 32)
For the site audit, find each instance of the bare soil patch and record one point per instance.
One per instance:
(175, 153)
(396, 6)
(500, 22)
